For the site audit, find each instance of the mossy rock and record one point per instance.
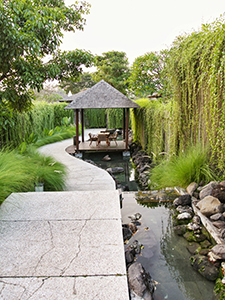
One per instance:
(205, 244)
(201, 264)
(191, 237)
(180, 229)
(193, 248)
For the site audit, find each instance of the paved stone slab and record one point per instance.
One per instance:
(77, 205)
(64, 288)
(58, 248)
(62, 245)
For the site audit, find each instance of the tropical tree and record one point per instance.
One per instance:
(147, 74)
(84, 81)
(29, 31)
(113, 67)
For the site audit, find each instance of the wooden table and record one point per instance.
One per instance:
(103, 137)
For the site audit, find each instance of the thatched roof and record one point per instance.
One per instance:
(101, 95)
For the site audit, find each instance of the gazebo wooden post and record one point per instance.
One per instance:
(124, 123)
(127, 127)
(77, 129)
(82, 124)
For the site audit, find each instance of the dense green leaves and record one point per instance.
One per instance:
(147, 74)
(84, 81)
(113, 67)
(30, 30)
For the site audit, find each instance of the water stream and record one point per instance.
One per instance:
(164, 255)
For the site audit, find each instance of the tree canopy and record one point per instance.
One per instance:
(146, 74)
(113, 67)
(30, 30)
(84, 81)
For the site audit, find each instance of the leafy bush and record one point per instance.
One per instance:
(181, 170)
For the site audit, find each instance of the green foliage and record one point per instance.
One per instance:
(219, 289)
(113, 67)
(147, 74)
(95, 118)
(196, 72)
(195, 113)
(84, 81)
(114, 117)
(30, 30)
(151, 125)
(18, 173)
(181, 170)
(59, 134)
(43, 118)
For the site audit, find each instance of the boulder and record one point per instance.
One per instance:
(140, 282)
(196, 219)
(192, 188)
(193, 248)
(115, 170)
(217, 252)
(222, 183)
(184, 216)
(127, 233)
(181, 209)
(219, 192)
(183, 200)
(217, 217)
(180, 229)
(219, 224)
(193, 226)
(207, 189)
(210, 206)
(201, 264)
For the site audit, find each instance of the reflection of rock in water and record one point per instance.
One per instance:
(148, 240)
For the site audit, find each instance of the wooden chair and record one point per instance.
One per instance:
(93, 137)
(113, 137)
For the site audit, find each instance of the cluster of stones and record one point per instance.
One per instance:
(209, 202)
(141, 284)
(142, 162)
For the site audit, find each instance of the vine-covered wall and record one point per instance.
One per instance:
(196, 111)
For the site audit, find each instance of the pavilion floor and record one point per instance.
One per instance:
(102, 147)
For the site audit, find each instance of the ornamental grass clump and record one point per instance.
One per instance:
(14, 174)
(20, 172)
(190, 166)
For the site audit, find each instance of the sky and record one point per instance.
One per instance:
(140, 26)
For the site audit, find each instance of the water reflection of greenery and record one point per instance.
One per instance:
(156, 199)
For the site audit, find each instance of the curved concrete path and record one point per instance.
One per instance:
(64, 245)
(81, 176)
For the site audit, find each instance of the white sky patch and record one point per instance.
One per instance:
(138, 27)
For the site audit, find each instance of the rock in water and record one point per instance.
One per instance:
(135, 217)
(106, 158)
(140, 282)
(115, 170)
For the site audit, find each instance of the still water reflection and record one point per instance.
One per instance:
(165, 255)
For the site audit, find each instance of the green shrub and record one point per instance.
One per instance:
(19, 173)
(181, 170)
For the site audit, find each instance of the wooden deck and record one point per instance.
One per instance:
(102, 147)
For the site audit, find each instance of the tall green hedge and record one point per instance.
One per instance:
(195, 114)
(43, 116)
(95, 118)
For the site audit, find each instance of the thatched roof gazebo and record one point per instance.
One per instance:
(101, 95)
